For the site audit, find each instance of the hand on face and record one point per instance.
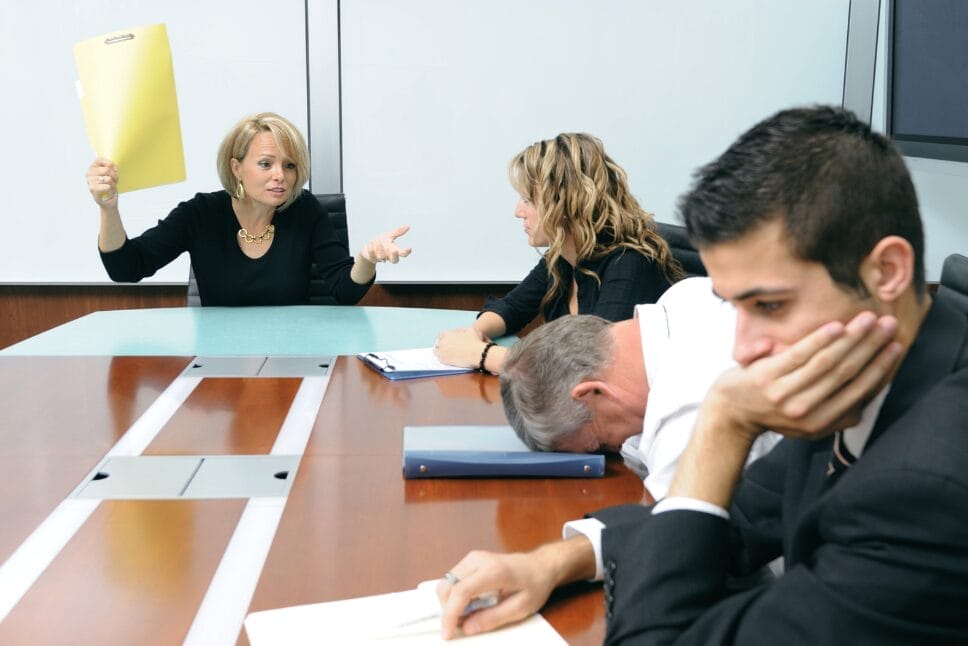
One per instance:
(102, 182)
(814, 387)
(383, 248)
(522, 581)
(461, 347)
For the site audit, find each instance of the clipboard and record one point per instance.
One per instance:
(126, 84)
(409, 364)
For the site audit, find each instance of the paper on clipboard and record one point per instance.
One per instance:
(409, 364)
(127, 87)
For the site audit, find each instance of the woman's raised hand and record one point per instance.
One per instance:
(102, 181)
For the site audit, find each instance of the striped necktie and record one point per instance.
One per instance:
(840, 458)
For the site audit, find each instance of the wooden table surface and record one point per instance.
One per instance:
(136, 570)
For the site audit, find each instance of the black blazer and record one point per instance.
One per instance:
(880, 557)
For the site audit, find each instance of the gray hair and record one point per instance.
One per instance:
(540, 372)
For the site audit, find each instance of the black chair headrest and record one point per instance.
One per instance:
(954, 281)
(682, 249)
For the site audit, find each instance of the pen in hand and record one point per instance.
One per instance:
(480, 603)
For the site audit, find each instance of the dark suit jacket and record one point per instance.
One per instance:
(879, 557)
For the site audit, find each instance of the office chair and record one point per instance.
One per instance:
(194, 300)
(334, 204)
(682, 249)
(954, 281)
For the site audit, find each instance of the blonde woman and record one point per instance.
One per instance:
(252, 243)
(603, 254)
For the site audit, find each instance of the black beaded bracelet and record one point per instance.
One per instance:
(480, 368)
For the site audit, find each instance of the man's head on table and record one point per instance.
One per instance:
(576, 384)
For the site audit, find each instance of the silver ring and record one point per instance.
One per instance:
(451, 578)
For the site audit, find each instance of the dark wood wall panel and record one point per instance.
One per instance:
(26, 310)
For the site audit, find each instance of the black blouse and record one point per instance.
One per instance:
(206, 227)
(628, 279)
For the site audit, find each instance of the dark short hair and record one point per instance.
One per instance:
(837, 187)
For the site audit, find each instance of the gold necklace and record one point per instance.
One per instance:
(265, 235)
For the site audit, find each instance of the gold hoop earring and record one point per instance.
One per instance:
(240, 191)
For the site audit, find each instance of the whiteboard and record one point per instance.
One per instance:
(437, 96)
(231, 58)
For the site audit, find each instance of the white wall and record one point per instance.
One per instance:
(231, 58)
(439, 95)
(942, 186)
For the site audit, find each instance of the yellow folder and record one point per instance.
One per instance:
(127, 89)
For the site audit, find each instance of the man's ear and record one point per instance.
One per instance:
(587, 390)
(888, 270)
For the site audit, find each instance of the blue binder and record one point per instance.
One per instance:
(487, 451)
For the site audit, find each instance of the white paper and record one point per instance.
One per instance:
(377, 620)
(416, 360)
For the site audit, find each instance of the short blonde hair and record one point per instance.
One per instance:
(288, 139)
(578, 189)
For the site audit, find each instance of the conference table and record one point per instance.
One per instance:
(154, 496)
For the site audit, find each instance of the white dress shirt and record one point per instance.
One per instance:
(687, 343)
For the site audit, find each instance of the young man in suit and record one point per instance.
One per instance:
(809, 225)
